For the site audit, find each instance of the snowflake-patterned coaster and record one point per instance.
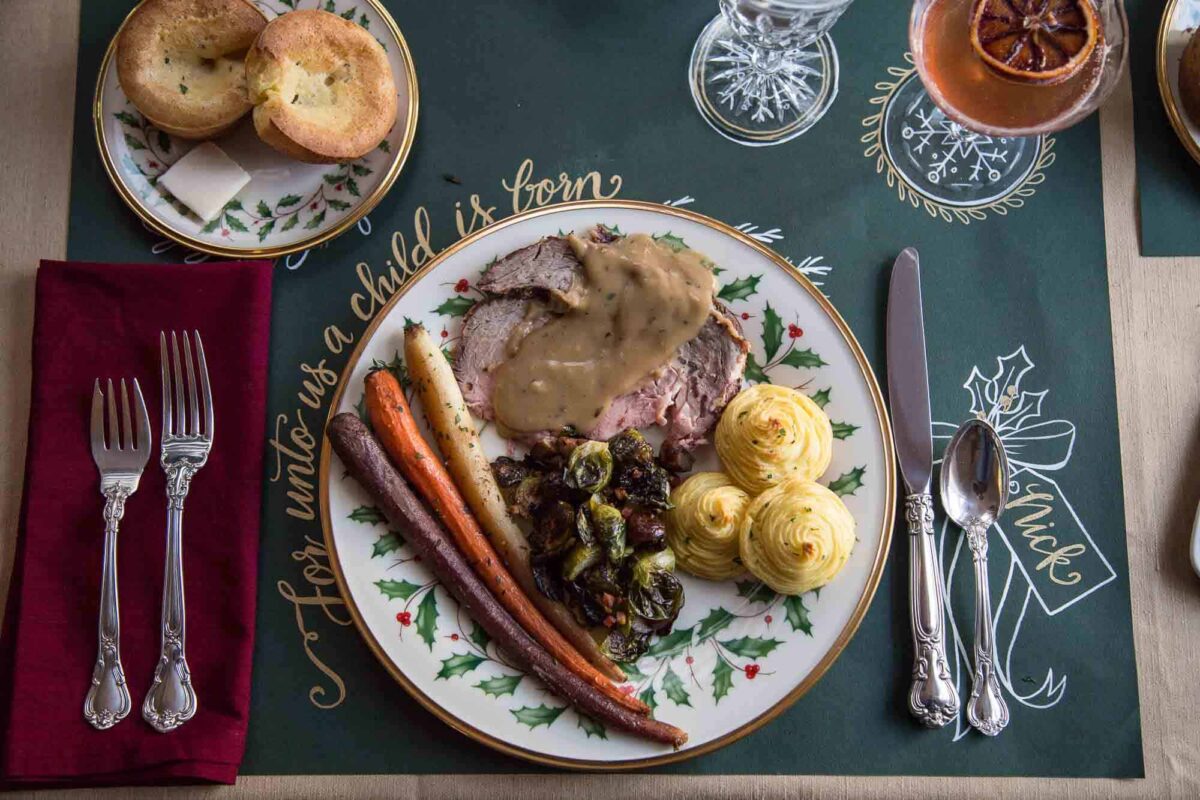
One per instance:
(932, 161)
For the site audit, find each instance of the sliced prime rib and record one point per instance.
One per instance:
(686, 395)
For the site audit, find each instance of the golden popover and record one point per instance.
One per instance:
(180, 62)
(322, 87)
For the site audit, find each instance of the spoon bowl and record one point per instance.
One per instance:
(974, 476)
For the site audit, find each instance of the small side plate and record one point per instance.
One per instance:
(288, 206)
(1180, 18)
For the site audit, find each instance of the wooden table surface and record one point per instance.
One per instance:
(1156, 321)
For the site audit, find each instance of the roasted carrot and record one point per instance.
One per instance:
(392, 419)
(365, 460)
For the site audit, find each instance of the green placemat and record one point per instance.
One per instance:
(1168, 179)
(515, 97)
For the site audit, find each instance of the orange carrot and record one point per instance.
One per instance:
(392, 419)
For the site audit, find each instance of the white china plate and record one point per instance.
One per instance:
(1180, 19)
(288, 205)
(738, 655)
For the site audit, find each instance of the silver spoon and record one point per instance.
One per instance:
(974, 493)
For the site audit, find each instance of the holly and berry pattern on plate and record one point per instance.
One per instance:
(286, 202)
(737, 648)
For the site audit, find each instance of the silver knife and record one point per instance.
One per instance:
(932, 699)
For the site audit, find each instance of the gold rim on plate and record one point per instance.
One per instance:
(1164, 85)
(813, 676)
(364, 208)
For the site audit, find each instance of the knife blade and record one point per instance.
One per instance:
(908, 376)
(932, 697)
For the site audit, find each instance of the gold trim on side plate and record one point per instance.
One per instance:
(1164, 85)
(814, 675)
(364, 208)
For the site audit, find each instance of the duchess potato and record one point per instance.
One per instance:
(770, 433)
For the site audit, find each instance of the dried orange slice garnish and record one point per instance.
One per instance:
(1035, 41)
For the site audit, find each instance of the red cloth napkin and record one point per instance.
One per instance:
(99, 321)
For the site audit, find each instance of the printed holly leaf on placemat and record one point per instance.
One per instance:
(821, 398)
(673, 685)
(541, 715)
(722, 679)
(740, 289)
(671, 240)
(316, 221)
(288, 200)
(500, 685)
(455, 306)
(772, 335)
(291, 223)
(133, 143)
(803, 359)
(427, 614)
(398, 590)
(751, 646)
(648, 698)
(338, 205)
(265, 229)
(592, 728)
(366, 23)
(479, 637)
(348, 14)
(754, 372)
(212, 225)
(360, 170)
(848, 483)
(717, 620)
(674, 642)
(263, 209)
(797, 614)
(457, 665)
(235, 224)
(387, 543)
(352, 187)
(755, 592)
(369, 514)
(843, 430)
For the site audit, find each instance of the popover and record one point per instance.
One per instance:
(180, 62)
(322, 87)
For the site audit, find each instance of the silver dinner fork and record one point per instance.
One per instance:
(186, 440)
(120, 457)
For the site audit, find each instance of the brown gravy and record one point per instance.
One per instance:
(639, 302)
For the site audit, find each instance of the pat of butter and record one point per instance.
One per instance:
(205, 180)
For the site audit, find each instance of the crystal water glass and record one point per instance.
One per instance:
(765, 71)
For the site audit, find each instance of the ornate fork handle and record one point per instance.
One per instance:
(171, 700)
(933, 699)
(986, 710)
(107, 701)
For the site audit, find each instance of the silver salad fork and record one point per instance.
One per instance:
(186, 441)
(120, 457)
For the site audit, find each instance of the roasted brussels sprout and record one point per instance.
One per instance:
(647, 486)
(625, 645)
(590, 467)
(525, 496)
(609, 526)
(629, 446)
(645, 529)
(553, 531)
(581, 557)
(655, 593)
(509, 472)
